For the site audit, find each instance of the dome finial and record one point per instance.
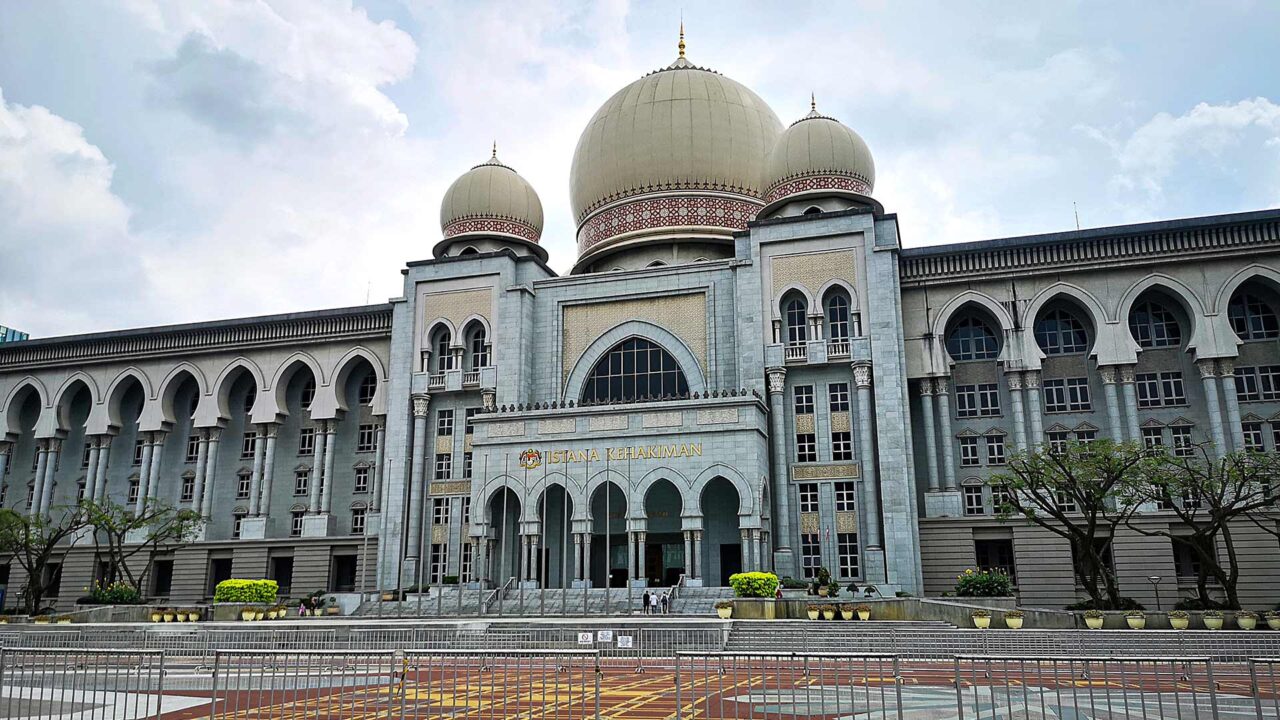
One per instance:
(813, 102)
(681, 45)
(495, 151)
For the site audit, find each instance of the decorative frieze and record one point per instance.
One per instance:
(843, 471)
(663, 419)
(718, 416)
(600, 423)
(553, 426)
(684, 316)
(450, 488)
(511, 428)
(813, 270)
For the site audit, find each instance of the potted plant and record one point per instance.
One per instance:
(981, 619)
(259, 614)
(864, 612)
(824, 582)
(40, 619)
(812, 611)
(1179, 619)
(1013, 619)
(828, 612)
(846, 611)
(331, 607)
(1247, 619)
(1136, 619)
(1094, 619)
(64, 620)
(156, 615)
(724, 608)
(833, 590)
(1213, 619)
(1273, 619)
(180, 614)
(247, 613)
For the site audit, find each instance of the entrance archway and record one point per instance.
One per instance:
(721, 539)
(555, 569)
(664, 559)
(608, 536)
(504, 517)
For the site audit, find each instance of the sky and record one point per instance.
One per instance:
(167, 161)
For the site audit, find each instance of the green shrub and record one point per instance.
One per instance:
(1124, 604)
(246, 591)
(754, 584)
(983, 583)
(791, 583)
(116, 593)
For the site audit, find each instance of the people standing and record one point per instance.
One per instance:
(666, 603)
(644, 603)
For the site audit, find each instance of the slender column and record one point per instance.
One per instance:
(1227, 369)
(157, 460)
(524, 557)
(211, 472)
(1019, 416)
(326, 490)
(104, 460)
(688, 553)
(586, 557)
(144, 476)
(317, 472)
(781, 468)
(535, 551)
(641, 573)
(255, 480)
(417, 486)
(480, 563)
(50, 470)
(379, 458)
(37, 489)
(90, 473)
(268, 469)
(1110, 373)
(6, 449)
(1035, 408)
(943, 393)
(631, 556)
(1208, 378)
(867, 454)
(930, 431)
(202, 466)
(1129, 390)
(577, 556)
(697, 550)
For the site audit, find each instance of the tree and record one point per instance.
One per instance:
(1074, 493)
(32, 540)
(120, 533)
(1209, 495)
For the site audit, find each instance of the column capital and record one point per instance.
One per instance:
(489, 399)
(925, 387)
(1227, 367)
(1109, 373)
(862, 373)
(1014, 379)
(1208, 368)
(1031, 379)
(269, 429)
(1128, 374)
(421, 403)
(777, 380)
(940, 385)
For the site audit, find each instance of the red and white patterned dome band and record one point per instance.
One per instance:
(817, 182)
(491, 226)
(661, 212)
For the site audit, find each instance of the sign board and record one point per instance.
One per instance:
(624, 641)
(584, 638)
(604, 636)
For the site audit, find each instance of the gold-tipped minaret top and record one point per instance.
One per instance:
(681, 45)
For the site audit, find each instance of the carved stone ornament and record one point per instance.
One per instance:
(940, 386)
(1015, 380)
(489, 399)
(777, 380)
(1227, 367)
(1128, 373)
(862, 374)
(420, 405)
(1108, 373)
(1208, 368)
(926, 386)
(1031, 379)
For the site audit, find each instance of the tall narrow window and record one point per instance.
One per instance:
(477, 345)
(810, 555)
(837, 316)
(635, 370)
(797, 322)
(847, 548)
(803, 399)
(308, 393)
(443, 359)
(368, 388)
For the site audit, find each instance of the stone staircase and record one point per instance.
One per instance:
(445, 602)
(826, 636)
(700, 600)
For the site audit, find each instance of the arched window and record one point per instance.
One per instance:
(837, 316)
(814, 210)
(468, 250)
(797, 321)
(1058, 332)
(656, 263)
(635, 370)
(1154, 326)
(477, 345)
(1252, 317)
(443, 359)
(972, 339)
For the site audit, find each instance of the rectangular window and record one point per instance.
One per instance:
(847, 549)
(361, 484)
(464, 567)
(1058, 440)
(808, 497)
(444, 423)
(137, 453)
(188, 489)
(439, 563)
(973, 502)
(248, 443)
(1152, 437)
(84, 456)
(1269, 382)
(1148, 387)
(806, 447)
(193, 449)
(1066, 395)
(444, 466)
(1066, 503)
(301, 482)
(1172, 389)
(468, 415)
(133, 490)
(1186, 562)
(1183, 446)
(242, 487)
(295, 522)
(995, 554)
(236, 521)
(1164, 389)
(80, 491)
(995, 450)
(1258, 383)
(838, 397)
(357, 521)
(4, 492)
(466, 510)
(1084, 437)
(1252, 436)
(307, 441)
(439, 511)
(1000, 497)
(804, 399)
(1055, 395)
(977, 400)
(846, 496)
(367, 438)
(841, 446)
(810, 555)
(368, 388)
(466, 465)
(969, 451)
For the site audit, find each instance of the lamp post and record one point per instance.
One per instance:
(1155, 585)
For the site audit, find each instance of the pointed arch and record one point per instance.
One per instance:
(958, 301)
(653, 477)
(66, 393)
(786, 290)
(285, 372)
(82, 377)
(746, 498)
(16, 398)
(342, 371)
(227, 378)
(1242, 276)
(668, 341)
(1082, 297)
(115, 393)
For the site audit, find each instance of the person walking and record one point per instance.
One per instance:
(666, 603)
(644, 603)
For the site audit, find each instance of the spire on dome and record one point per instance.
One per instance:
(813, 102)
(495, 151)
(680, 46)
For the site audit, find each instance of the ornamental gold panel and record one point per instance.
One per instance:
(805, 423)
(439, 534)
(810, 523)
(824, 472)
(684, 316)
(840, 422)
(846, 522)
(444, 443)
(450, 488)
(813, 270)
(456, 306)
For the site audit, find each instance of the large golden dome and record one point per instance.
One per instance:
(678, 154)
(818, 155)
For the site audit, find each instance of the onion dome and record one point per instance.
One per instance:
(818, 155)
(491, 201)
(676, 155)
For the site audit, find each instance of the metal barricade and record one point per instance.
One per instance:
(751, 685)
(499, 684)
(1264, 685)
(304, 684)
(69, 682)
(1118, 687)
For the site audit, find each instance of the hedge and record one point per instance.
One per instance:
(754, 584)
(246, 591)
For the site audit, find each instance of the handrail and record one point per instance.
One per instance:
(499, 592)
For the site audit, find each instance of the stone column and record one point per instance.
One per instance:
(1209, 379)
(1035, 408)
(535, 553)
(379, 457)
(6, 450)
(417, 485)
(143, 476)
(641, 573)
(781, 469)
(268, 469)
(577, 556)
(688, 554)
(104, 461)
(1129, 391)
(586, 558)
(942, 392)
(211, 472)
(867, 454)
(317, 471)
(524, 557)
(255, 480)
(326, 490)
(37, 487)
(90, 473)
(1019, 416)
(697, 550)
(50, 471)
(157, 460)
(930, 432)
(1110, 373)
(202, 464)
(631, 557)
(1227, 371)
